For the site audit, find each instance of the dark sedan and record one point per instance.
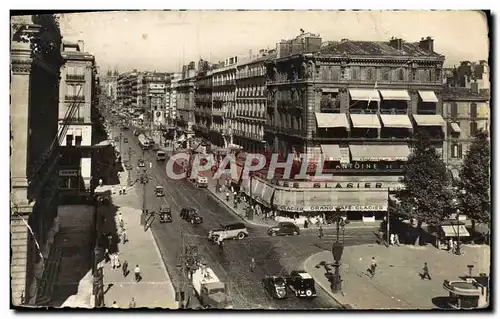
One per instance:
(275, 286)
(191, 215)
(284, 229)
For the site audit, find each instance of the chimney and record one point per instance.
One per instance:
(396, 43)
(80, 46)
(427, 44)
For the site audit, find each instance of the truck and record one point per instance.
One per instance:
(210, 291)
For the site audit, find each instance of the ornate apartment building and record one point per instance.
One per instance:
(203, 100)
(223, 102)
(185, 100)
(249, 116)
(358, 104)
(35, 57)
(77, 102)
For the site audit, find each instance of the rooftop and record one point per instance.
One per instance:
(460, 93)
(376, 48)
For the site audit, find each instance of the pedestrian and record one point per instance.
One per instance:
(106, 256)
(392, 239)
(110, 240)
(426, 272)
(373, 267)
(137, 273)
(115, 305)
(450, 245)
(120, 217)
(252, 265)
(306, 224)
(122, 224)
(227, 196)
(132, 303)
(124, 236)
(381, 237)
(125, 268)
(396, 239)
(320, 232)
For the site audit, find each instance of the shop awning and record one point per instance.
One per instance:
(236, 171)
(364, 95)
(365, 121)
(289, 200)
(429, 120)
(330, 90)
(262, 192)
(395, 95)
(331, 120)
(348, 200)
(331, 152)
(396, 120)
(455, 127)
(376, 152)
(455, 231)
(428, 96)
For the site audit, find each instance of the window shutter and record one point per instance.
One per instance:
(459, 150)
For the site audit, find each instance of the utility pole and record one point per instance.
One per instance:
(121, 135)
(129, 166)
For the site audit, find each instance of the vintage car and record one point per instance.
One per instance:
(283, 229)
(275, 286)
(125, 140)
(301, 283)
(159, 191)
(141, 163)
(191, 215)
(165, 214)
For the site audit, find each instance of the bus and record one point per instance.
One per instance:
(144, 142)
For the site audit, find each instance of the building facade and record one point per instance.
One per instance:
(223, 102)
(185, 101)
(34, 89)
(249, 116)
(171, 111)
(203, 100)
(355, 106)
(466, 112)
(76, 107)
(152, 87)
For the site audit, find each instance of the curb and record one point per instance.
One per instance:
(232, 210)
(326, 289)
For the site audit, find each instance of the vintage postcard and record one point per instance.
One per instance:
(250, 160)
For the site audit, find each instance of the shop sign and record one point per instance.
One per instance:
(357, 208)
(359, 185)
(367, 166)
(293, 209)
(68, 172)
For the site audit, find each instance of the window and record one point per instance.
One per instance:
(456, 150)
(345, 74)
(69, 140)
(78, 140)
(355, 73)
(401, 75)
(438, 75)
(414, 75)
(385, 74)
(473, 110)
(454, 110)
(473, 129)
(369, 74)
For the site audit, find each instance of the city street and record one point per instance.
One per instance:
(273, 256)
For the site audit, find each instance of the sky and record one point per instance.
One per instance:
(165, 40)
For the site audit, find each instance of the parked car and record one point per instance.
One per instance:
(230, 231)
(191, 215)
(141, 163)
(301, 283)
(137, 133)
(159, 191)
(284, 229)
(275, 286)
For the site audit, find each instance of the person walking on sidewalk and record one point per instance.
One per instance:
(137, 273)
(396, 239)
(426, 272)
(227, 196)
(125, 268)
(320, 230)
(124, 235)
(373, 267)
(391, 238)
(132, 303)
(252, 265)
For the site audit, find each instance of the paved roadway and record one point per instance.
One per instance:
(273, 255)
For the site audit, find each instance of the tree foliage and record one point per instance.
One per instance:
(475, 180)
(427, 194)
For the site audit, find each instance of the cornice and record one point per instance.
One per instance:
(21, 66)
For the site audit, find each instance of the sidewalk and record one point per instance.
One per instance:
(155, 289)
(397, 283)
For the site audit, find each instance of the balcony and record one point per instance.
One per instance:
(73, 120)
(73, 98)
(284, 81)
(218, 113)
(75, 78)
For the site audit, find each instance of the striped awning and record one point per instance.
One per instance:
(365, 121)
(395, 95)
(428, 96)
(455, 127)
(455, 231)
(396, 120)
(429, 120)
(364, 95)
(331, 152)
(331, 120)
(376, 152)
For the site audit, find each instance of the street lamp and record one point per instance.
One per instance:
(337, 250)
(458, 250)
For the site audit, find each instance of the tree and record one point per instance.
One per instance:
(474, 183)
(427, 195)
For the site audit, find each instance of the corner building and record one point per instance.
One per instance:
(356, 103)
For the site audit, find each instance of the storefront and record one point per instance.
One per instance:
(261, 191)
